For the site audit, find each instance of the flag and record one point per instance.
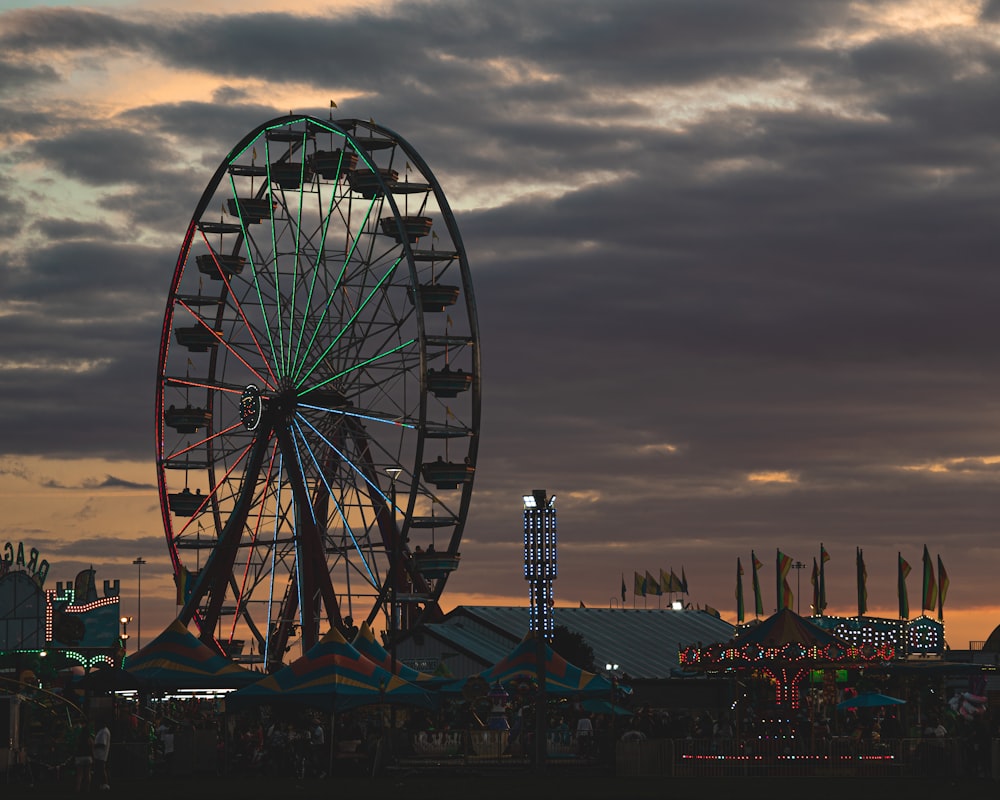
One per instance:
(684, 581)
(904, 599)
(332, 104)
(670, 583)
(85, 587)
(624, 587)
(823, 558)
(640, 586)
(739, 592)
(185, 585)
(785, 596)
(758, 601)
(713, 611)
(942, 587)
(652, 587)
(253, 154)
(862, 584)
(930, 593)
(815, 583)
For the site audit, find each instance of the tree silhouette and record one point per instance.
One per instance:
(573, 647)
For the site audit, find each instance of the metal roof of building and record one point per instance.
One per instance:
(643, 642)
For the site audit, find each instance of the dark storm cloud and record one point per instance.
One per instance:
(107, 482)
(213, 126)
(12, 216)
(93, 277)
(99, 550)
(42, 28)
(87, 323)
(65, 229)
(715, 246)
(688, 42)
(16, 76)
(106, 156)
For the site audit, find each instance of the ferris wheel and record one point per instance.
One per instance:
(318, 393)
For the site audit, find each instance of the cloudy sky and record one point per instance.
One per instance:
(735, 266)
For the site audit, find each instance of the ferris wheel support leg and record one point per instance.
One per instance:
(218, 568)
(315, 582)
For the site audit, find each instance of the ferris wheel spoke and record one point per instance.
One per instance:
(272, 228)
(225, 343)
(214, 493)
(332, 293)
(239, 310)
(254, 271)
(346, 326)
(176, 454)
(297, 237)
(320, 255)
(370, 417)
(308, 543)
(329, 489)
(359, 365)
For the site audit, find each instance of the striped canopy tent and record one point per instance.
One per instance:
(366, 644)
(332, 676)
(786, 627)
(177, 659)
(562, 679)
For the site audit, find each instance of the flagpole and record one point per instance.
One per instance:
(798, 567)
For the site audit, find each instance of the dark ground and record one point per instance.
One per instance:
(522, 785)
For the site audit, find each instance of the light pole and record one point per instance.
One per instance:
(124, 620)
(612, 670)
(393, 473)
(139, 561)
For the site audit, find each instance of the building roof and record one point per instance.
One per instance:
(643, 642)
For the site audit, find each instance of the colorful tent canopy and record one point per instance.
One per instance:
(366, 644)
(331, 676)
(562, 679)
(176, 659)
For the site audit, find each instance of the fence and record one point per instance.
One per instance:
(489, 747)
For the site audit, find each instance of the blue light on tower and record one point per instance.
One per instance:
(540, 564)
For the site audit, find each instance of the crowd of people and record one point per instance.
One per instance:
(167, 737)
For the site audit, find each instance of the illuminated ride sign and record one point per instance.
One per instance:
(251, 407)
(14, 558)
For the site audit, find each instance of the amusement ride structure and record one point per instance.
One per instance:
(318, 391)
